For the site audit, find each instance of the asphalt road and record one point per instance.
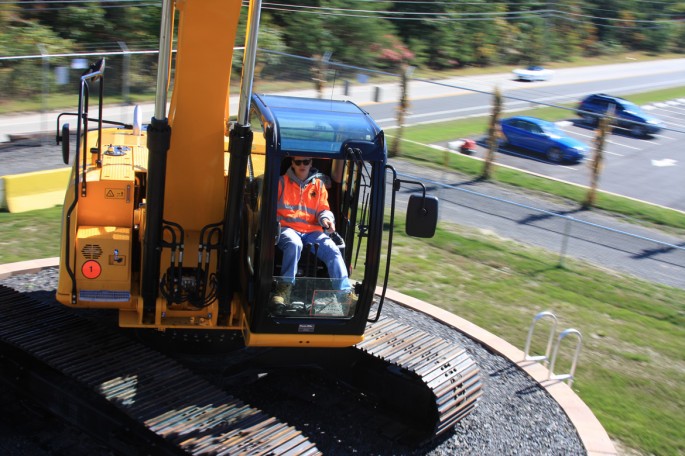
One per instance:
(649, 169)
(472, 96)
(446, 99)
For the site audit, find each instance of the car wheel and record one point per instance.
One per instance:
(554, 155)
(638, 130)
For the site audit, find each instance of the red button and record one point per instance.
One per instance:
(91, 269)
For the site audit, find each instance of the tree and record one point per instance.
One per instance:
(402, 108)
(23, 78)
(319, 70)
(339, 26)
(392, 53)
(494, 134)
(603, 130)
(433, 41)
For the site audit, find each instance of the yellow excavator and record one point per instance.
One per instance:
(173, 223)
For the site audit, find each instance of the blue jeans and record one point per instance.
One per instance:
(291, 243)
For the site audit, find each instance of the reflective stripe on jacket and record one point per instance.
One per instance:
(302, 204)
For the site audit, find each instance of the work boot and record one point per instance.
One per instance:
(281, 297)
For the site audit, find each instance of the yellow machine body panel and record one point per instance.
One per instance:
(103, 254)
(99, 248)
(111, 213)
(206, 36)
(300, 340)
(109, 191)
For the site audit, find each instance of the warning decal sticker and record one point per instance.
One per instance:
(114, 193)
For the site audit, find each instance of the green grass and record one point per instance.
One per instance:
(29, 235)
(631, 371)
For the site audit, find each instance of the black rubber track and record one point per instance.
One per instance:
(102, 378)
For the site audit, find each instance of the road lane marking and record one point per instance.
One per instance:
(609, 141)
(664, 162)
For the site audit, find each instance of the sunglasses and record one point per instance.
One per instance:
(304, 162)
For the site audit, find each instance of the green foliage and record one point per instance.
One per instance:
(357, 38)
(23, 77)
(376, 35)
(82, 25)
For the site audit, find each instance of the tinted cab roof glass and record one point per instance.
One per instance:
(314, 125)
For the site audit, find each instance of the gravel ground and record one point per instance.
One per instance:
(515, 416)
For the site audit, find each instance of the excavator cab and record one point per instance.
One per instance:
(348, 152)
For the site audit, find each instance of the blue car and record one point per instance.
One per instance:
(629, 116)
(543, 137)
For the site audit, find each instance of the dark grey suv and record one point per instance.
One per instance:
(629, 116)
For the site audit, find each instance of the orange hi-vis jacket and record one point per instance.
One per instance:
(302, 205)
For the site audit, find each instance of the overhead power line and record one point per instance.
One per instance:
(531, 10)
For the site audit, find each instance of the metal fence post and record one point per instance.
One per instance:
(125, 72)
(564, 241)
(46, 85)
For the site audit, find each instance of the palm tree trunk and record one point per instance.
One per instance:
(401, 110)
(494, 134)
(603, 130)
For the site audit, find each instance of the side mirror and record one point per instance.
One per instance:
(65, 143)
(422, 216)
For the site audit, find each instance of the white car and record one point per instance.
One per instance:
(533, 73)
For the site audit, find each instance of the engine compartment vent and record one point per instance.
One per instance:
(91, 251)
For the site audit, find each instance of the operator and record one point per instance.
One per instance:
(303, 212)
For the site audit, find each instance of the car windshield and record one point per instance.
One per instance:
(631, 107)
(551, 129)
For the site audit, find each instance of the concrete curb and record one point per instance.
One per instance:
(27, 267)
(590, 430)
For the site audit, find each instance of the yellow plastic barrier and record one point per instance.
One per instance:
(36, 190)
